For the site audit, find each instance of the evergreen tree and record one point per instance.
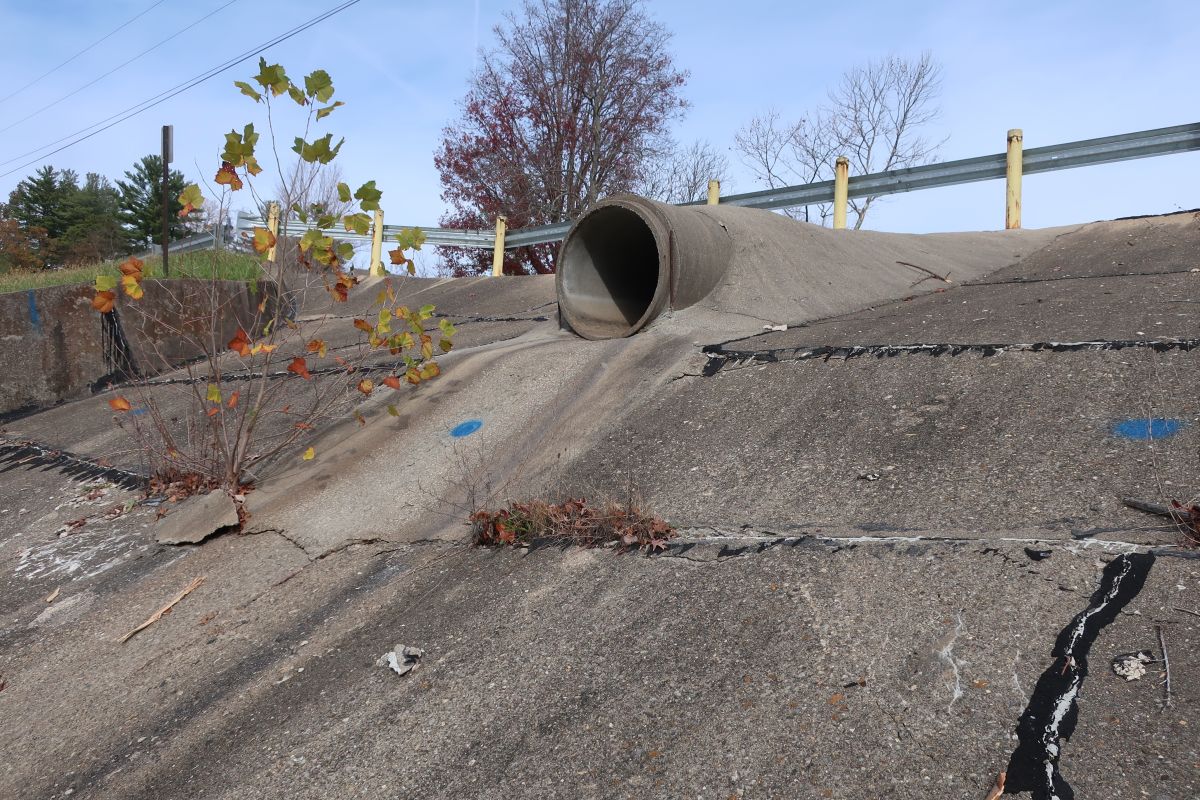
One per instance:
(141, 203)
(94, 231)
(40, 200)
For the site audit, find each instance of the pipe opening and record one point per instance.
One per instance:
(609, 268)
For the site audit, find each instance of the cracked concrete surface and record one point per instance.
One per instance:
(812, 633)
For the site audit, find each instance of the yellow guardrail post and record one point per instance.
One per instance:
(714, 192)
(1012, 205)
(273, 227)
(498, 250)
(841, 188)
(377, 245)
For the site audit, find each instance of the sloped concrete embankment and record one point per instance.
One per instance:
(54, 346)
(794, 646)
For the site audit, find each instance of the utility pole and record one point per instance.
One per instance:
(167, 157)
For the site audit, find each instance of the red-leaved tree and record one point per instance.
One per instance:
(574, 101)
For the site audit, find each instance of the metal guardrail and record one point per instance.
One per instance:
(201, 241)
(1088, 152)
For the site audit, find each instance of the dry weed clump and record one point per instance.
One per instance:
(1187, 518)
(572, 521)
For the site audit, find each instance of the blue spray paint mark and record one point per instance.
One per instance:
(466, 428)
(1147, 429)
(34, 316)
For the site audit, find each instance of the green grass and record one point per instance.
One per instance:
(197, 264)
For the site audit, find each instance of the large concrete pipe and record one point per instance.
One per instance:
(629, 259)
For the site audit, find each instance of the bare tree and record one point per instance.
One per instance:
(314, 188)
(874, 117)
(681, 174)
(309, 185)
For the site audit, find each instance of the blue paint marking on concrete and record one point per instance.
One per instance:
(1146, 429)
(466, 428)
(34, 316)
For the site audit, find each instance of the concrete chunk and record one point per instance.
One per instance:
(196, 519)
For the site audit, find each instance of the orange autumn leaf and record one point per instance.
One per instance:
(366, 386)
(103, 301)
(262, 241)
(240, 343)
(233, 399)
(131, 266)
(303, 426)
(412, 376)
(212, 412)
(119, 404)
(227, 176)
(391, 381)
(300, 367)
(317, 346)
(364, 326)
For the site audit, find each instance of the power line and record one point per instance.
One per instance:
(96, 80)
(84, 50)
(134, 110)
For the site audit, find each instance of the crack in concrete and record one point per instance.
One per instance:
(946, 654)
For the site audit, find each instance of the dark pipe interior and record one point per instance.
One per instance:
(609, 269)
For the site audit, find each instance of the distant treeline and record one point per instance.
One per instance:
(52, 219)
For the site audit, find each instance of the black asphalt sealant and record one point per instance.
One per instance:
(30, 455)
(1053, 710)
(718, 356)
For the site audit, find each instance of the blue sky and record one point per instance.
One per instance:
(1061, 71)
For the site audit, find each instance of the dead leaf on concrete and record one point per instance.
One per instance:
(50, 598)
(998, 789)
(157, 615)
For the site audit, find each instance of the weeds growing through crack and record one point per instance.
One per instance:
(572, 521)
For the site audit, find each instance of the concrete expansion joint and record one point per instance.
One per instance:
(32, 455)
(751, 542)
(719, 357)
(1058, 278)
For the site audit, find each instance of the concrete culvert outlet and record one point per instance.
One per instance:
(610, 267)
(628, 259)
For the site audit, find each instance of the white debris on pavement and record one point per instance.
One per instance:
(401, 659)
(1132, 666)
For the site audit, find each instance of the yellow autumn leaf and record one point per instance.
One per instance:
(309, 454)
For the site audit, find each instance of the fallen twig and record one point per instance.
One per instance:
(1187, 611)
(943, 278)
(1151, 508)
(157, 615)
(998, 789)
(1162, 645)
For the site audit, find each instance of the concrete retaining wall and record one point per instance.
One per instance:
(54, 346)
